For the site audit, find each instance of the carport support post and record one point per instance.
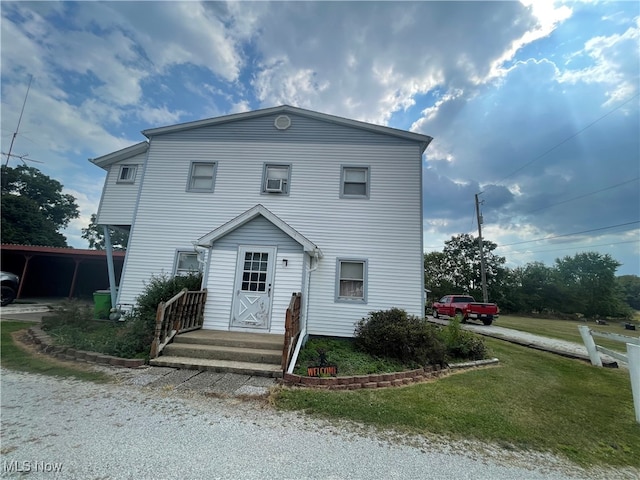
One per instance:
(633, 355)
(591, 345)
(110, 267)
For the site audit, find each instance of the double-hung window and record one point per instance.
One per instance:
(276, 178)
(354, 182)
(186, 263)
(351, 281)
(202, 177)
(127, 174)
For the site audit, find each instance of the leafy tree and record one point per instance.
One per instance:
(462, 260)
(587, 282)
(629, 288)
(94, 234)
(34, 208)
(436, 277)
(539, 288)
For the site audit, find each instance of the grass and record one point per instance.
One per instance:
(14, 357)
(534, 400)
(565, 329)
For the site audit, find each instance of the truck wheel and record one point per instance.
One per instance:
(487, 321)
(435, 313)
(461, 316)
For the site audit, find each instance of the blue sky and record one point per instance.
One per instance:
(535, 104)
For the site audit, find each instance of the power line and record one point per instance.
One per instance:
(571, 248)
(569, 234)
(583, 196)
(535, 159)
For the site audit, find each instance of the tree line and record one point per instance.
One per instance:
(584, 284)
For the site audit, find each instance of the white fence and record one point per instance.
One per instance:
(632, 358)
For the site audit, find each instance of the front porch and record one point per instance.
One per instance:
(180, 341)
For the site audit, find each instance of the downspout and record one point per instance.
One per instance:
(110, 267)
(303, 331)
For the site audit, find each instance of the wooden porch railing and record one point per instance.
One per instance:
(182, 313)
(291, 329)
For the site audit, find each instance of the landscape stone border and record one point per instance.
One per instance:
(45, 344)
(381, 380)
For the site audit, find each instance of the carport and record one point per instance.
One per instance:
(59, 272)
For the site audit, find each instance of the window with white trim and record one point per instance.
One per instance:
(127, 174)
(276, 178)
(202, 177)
(186, 263)
(351, 280)
(354, 182)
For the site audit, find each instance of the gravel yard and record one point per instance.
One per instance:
(59, 428)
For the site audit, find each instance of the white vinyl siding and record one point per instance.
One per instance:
(387, 228)
(202, 177)
(118, 201)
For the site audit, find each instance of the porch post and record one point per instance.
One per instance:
(110, 267)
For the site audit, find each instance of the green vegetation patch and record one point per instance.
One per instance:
(534, 400)
(16, 358)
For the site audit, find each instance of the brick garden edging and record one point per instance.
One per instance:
(380, 380)
(45, 345)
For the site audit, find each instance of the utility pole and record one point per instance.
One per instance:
(483, 271)
(15, 134)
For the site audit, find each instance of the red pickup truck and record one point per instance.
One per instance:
(465, 305)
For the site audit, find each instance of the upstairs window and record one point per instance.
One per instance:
(186, 263)
(127, 174)
(276, 178)
(351, 280)
(202, 177)
(354, 182)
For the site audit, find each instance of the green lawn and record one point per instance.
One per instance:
(533, 400)
(565, 329)
(15, 358)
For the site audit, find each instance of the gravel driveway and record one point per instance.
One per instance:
(112, 431)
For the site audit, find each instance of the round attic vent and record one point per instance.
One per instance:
(282, 122)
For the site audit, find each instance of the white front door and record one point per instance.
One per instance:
(254, 287)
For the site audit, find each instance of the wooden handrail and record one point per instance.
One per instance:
(181, 313)
(291, 329)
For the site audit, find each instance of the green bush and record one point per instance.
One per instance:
(460, 344)
(73, 325)
(142, 319)
(392, 333)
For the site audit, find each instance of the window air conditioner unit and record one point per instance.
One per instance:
(274, 185)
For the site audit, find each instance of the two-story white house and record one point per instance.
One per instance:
(271, 202)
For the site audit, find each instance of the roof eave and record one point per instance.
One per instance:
(106, 160)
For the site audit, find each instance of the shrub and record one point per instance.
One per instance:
(393, 333)
(142, 319)
(461, 344)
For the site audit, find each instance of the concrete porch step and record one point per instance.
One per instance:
(217, 352)
(243, 368)
(262, 341)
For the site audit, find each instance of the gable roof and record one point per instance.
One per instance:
(114, 157)
(422, 140)
(259, 210)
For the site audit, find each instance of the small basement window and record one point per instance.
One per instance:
(186, 263)
(127, 174)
